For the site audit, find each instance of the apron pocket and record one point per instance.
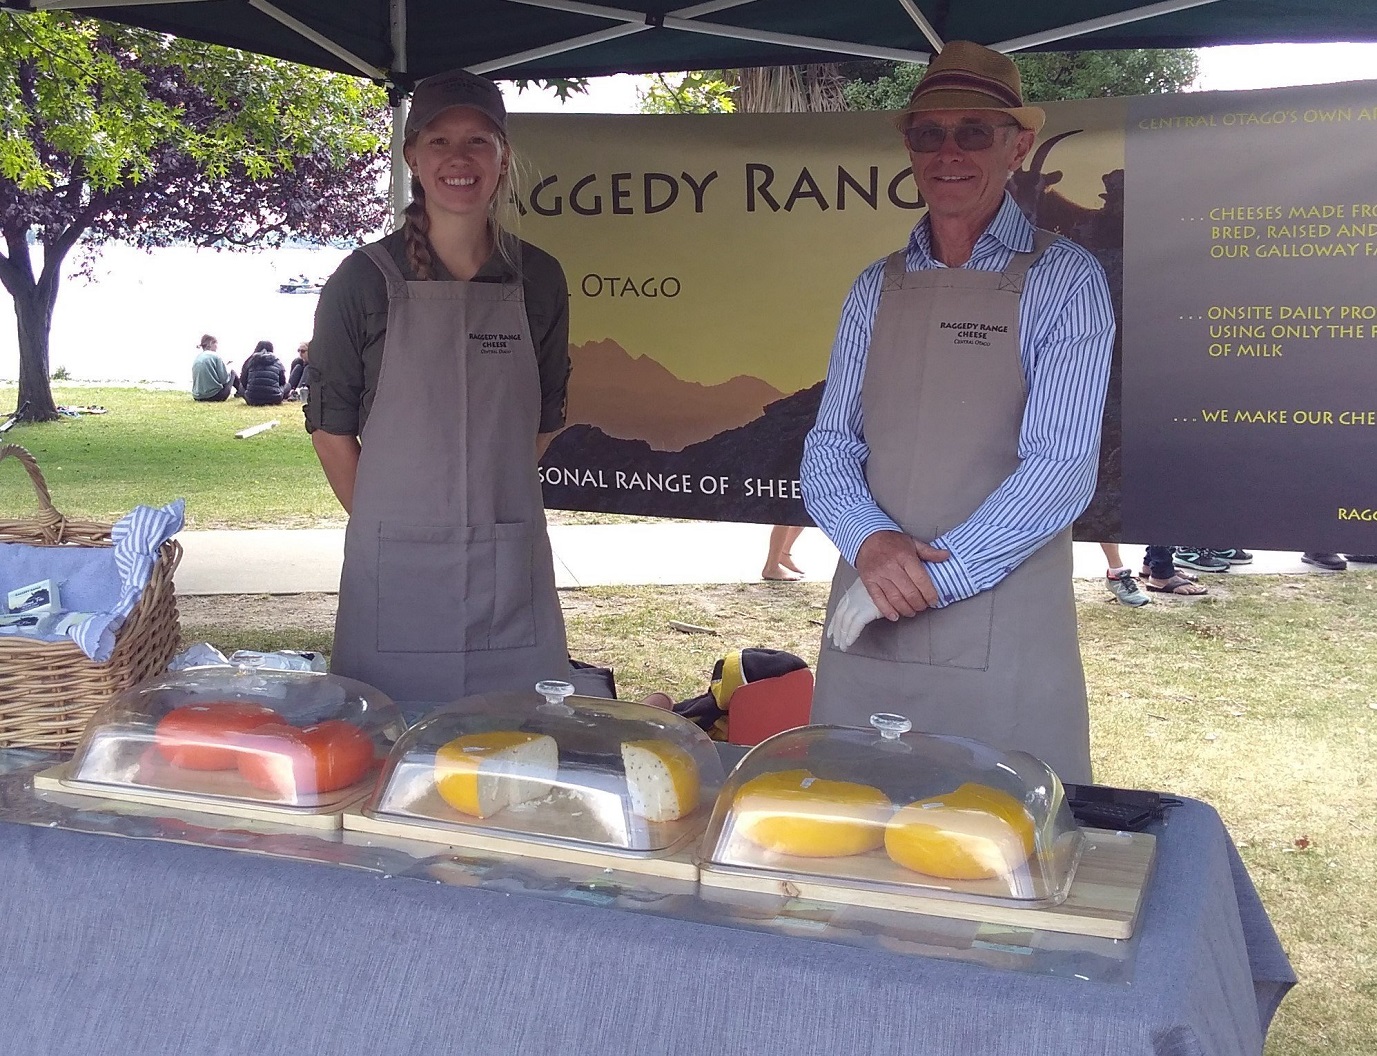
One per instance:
(960, 633)
(955, 636)
(499, 600)
(445, 589)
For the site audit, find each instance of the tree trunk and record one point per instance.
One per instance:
(791, 89)
(33, 312)
(33, 309)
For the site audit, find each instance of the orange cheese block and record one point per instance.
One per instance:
(481, 773)
(793, 812)
(661, 779)
(973, 833)
(206, 736)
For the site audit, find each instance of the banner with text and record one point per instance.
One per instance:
(708, 258)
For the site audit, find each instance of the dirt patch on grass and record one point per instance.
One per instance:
(258, 612)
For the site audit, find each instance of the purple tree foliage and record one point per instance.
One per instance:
(136, 137)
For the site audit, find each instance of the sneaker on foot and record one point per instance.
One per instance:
(1201, 559)
(1124, 586)
(1320, 559)
(1235, 556)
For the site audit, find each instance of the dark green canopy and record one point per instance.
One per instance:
(402, 40)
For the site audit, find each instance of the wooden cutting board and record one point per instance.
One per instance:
(1104, 901)
(220, 792)
(561, 815)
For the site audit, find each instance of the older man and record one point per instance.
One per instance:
(957, 440)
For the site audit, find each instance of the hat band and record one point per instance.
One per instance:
(961, 80)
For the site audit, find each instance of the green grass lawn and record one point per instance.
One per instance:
(155, 446)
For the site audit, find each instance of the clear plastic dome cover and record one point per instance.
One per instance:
(549, 766)
(890, 810)
(295, 739)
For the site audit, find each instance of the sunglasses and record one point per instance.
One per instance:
(928, 139)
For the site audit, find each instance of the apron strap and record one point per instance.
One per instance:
(1013, 276)
(1011, 279)
(894, 271)
(396, 283)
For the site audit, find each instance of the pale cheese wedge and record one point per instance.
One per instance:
(482, 773)
(661, 779)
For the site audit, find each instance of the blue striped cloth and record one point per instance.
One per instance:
(1066, 333)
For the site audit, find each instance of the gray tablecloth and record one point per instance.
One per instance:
(115, 946)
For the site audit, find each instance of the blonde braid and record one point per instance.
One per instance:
(416, 228)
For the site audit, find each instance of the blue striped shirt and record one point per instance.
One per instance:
(1066, 333)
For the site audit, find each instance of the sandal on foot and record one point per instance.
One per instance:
(1179, 584)
(1189, 577)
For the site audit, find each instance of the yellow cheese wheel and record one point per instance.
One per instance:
(661, 779)
(481, 773)
(973, 833)
(793, 812)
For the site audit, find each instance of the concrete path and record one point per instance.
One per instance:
(288, 561)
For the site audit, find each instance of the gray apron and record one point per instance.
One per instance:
(943, 406)
(448, 586)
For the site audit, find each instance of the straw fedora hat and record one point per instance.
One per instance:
(967, 76)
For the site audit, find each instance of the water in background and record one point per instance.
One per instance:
(140, 316)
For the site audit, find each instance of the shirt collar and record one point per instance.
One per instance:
(1009, 230)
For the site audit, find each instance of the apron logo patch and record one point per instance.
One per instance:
(969, 333)
(494, 344)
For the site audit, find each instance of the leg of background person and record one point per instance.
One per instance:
(1162, 575)
(779, 563)
(223, 394)
(1113, 559)
(790, 538)
(1119, 578)
(1159, 563)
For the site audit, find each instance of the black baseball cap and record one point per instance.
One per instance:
(434, 95)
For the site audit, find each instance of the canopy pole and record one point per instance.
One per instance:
(921, 21)
(320, 40)
(401, 182)
(401, 175)
(1091, 25)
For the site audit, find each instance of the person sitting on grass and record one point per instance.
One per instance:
(211, 378)
(297, 382)
(263, 379)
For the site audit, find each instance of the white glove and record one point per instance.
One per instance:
(853, 612)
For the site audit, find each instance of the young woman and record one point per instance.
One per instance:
(440, 364)
(296, 373)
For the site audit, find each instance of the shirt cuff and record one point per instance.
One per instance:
(950, 577)
(856, 527)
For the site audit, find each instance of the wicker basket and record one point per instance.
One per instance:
(48, 690)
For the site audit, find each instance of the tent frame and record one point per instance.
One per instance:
(692, 19)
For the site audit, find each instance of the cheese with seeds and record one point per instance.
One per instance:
(661, 779)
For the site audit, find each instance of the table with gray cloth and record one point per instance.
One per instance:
(116, 946)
